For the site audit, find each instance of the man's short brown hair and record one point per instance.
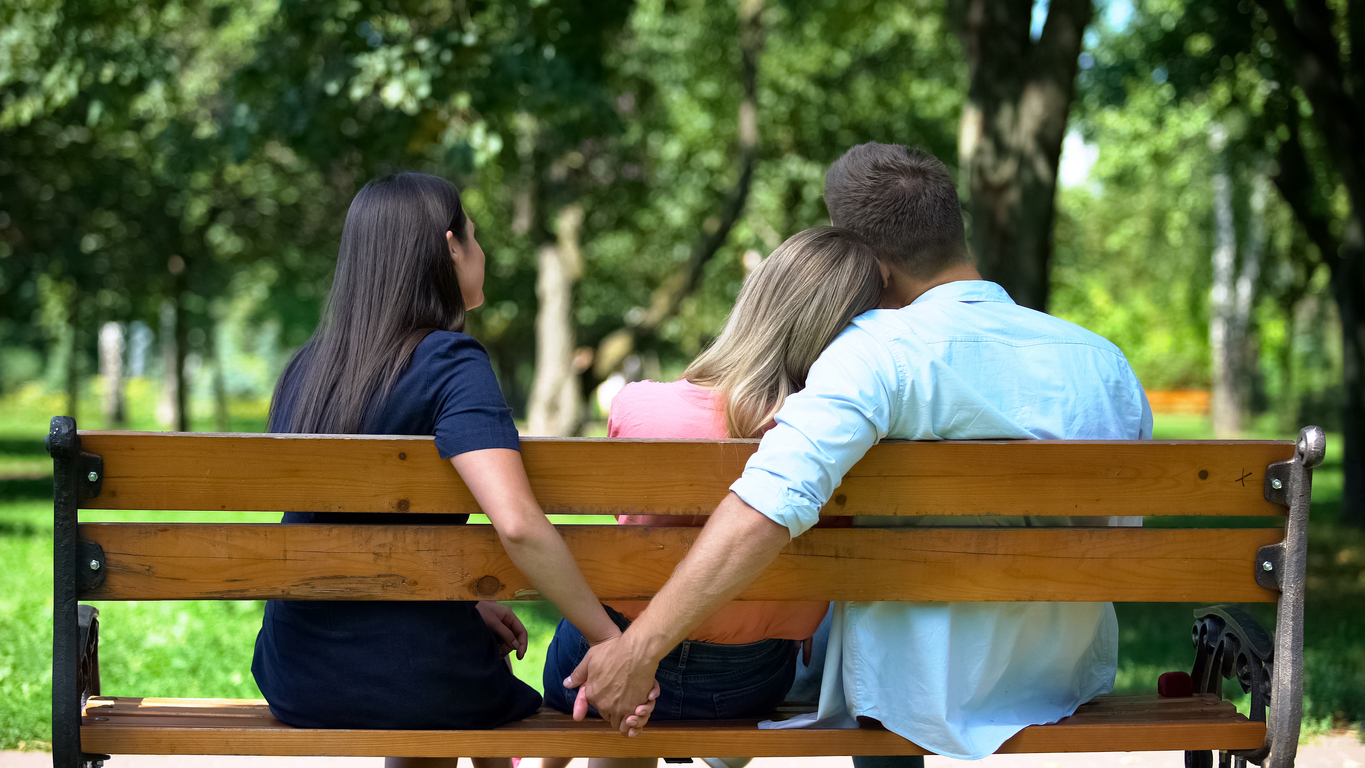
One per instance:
(902, 201)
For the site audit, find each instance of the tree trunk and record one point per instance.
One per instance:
(615, 347)
(1287, 399)
(173, 411)
(111, 370)
(1233, 295)
(1227, 410)
(554, 407)
(1348, 283)
(1308, 42)
(73, 360)
(1248, 279)
(170, 380)
(182, 384)
(221, 420)
(1010, 137)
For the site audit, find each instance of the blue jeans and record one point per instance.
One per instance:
(806, 689)
(697, 681)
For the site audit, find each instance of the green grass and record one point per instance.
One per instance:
(204, 648)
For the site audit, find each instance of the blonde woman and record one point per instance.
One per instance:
(741, 661)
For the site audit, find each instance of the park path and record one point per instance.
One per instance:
(1337, 751)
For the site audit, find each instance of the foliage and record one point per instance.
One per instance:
(1288, 87)
(1132, 250)
(1134, 245)
(232, 135)
(121, 187)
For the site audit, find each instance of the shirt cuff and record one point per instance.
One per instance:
(773, 498)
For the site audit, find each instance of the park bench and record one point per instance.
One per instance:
(1219, 564)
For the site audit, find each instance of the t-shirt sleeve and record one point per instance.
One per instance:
(468, 409)
(616, 413)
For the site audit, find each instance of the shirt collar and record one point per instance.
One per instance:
(965, 290)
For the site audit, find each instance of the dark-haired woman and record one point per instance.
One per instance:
(389, 357)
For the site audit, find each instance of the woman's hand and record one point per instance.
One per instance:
(505, 624)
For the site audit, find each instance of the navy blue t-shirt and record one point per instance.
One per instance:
(447, 390)
(399, 665)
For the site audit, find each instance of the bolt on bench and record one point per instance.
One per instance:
(236, 561)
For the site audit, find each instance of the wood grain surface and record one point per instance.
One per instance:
(160, 561)
(599, 476)
(246, 727)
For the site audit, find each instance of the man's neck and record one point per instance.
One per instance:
(901, 289)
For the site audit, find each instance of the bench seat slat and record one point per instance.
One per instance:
(158, 561)
(235, 727)
(405, 474)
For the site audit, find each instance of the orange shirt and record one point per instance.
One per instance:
(681, 409)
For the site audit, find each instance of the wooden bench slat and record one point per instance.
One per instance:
(405, 474)
(1133, 704)
(235, 727)
(158, 561)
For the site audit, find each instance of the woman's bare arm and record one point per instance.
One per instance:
(498, 481)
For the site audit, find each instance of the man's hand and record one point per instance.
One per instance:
(734, 547)
(619, 682)
(505, 624)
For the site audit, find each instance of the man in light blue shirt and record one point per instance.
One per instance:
(952, 357)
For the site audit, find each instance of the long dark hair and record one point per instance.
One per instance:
(394, 284)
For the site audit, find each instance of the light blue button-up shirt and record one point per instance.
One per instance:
(962, 362)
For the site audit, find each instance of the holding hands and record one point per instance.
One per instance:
(619, 682)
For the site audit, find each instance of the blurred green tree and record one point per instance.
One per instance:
(119, 193)
(509, 99)
(1288, 86)
(830, 75)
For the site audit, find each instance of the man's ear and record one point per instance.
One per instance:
(898, 289)
(890, 289)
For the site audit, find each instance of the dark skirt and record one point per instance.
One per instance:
(399, 665)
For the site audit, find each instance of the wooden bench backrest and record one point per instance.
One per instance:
(406, 562)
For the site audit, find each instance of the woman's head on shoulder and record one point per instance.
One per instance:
(791, 307)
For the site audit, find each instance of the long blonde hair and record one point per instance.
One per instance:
(790, 308)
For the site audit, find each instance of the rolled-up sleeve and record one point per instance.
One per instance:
(822, 431)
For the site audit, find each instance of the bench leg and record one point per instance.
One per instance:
(76, 476)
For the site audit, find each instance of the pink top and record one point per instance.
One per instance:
(683, 410)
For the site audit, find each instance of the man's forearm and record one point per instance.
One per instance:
(734, 547)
